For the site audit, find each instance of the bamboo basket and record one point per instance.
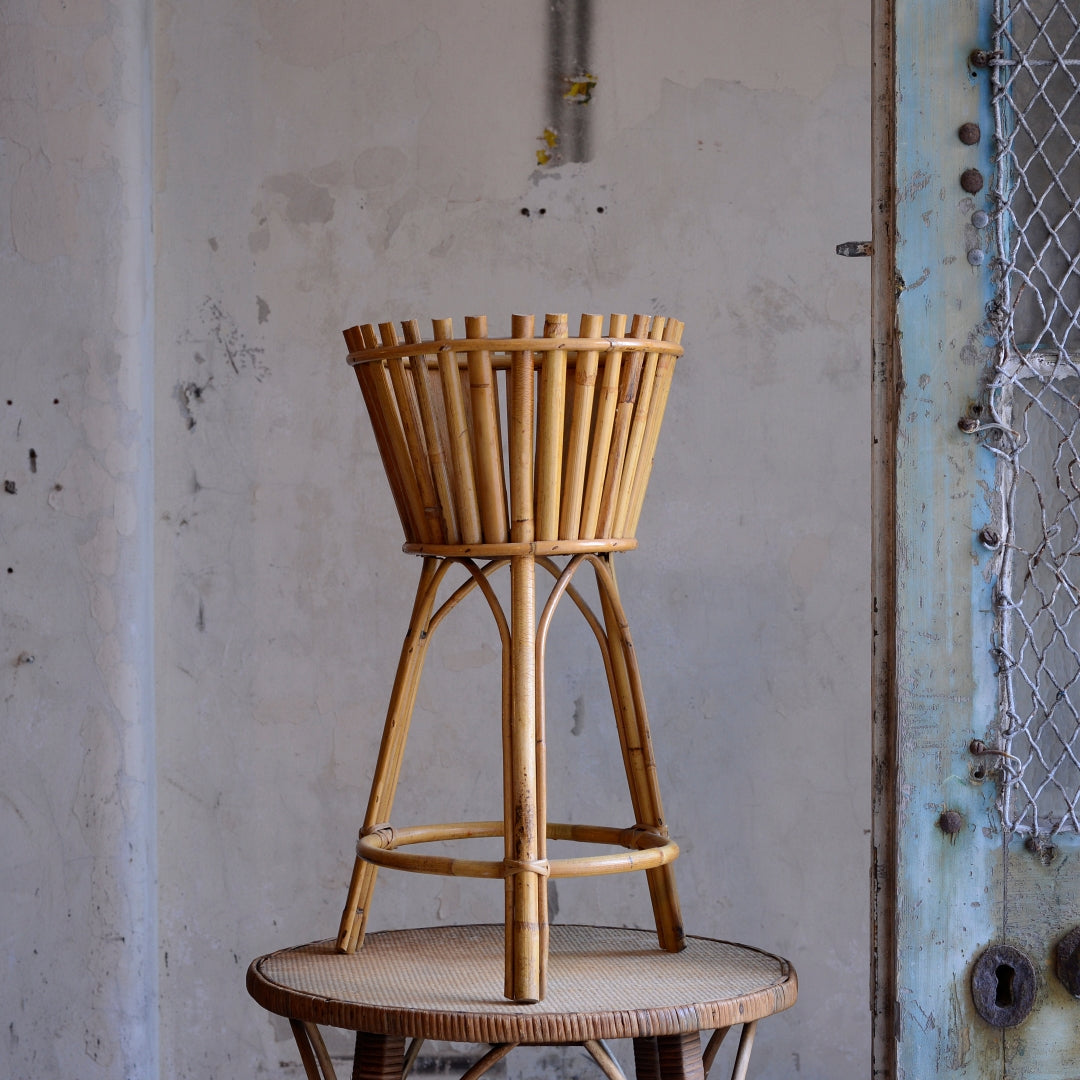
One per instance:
(483, 437)
(519, 450)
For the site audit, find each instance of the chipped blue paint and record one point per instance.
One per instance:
(948, 888)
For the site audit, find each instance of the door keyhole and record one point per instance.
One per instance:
(1003, 986)
(1004, 997)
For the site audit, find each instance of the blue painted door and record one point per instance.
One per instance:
(977, 560)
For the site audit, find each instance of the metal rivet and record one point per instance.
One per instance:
(971, 180)
(1003, 986)
(1067, 961)
(976, 256)
(989, 537)
(980, 219)
(951, 822)
(968, 424)
(970, 133)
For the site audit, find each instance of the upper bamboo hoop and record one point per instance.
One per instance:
(557, 450)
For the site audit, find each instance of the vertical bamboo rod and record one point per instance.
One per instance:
(607, 399)
(379, 378)
(665, 369)
(637, 429)
(487, 451)
(577, 450)
(523, 826)
(412, 429)
(624, 411)
(433, 436)
(354, 341)
(468, 511)
(549, 434)
(522, 365)
(521, 840)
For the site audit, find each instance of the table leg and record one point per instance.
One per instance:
(378, 1057)
(669, 1057)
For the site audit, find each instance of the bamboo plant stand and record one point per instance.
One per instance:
(604, 984)
(581, 417)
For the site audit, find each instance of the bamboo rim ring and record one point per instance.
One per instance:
(645, 849)
(539, 548)
(501, 349)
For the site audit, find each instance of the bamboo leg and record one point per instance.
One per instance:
(391, 749)
(378, 1057)
(709, 1056)
(524, 843)
(313, 1055)
(523, 881)
(633, 724)
(746, 1044)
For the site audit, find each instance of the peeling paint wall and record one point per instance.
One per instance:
(79, 987)
(331, 162)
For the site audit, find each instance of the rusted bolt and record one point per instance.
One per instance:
(971, 180)
(983, 57)
(989, 538)
(970, 133)
(1043, 848)
(951, 822)
(1067, 961)
(968, 424)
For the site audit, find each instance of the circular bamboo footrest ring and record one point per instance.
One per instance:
(645, 849)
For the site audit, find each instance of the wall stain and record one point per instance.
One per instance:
(306, 203)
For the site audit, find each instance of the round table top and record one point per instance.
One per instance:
(445, 982)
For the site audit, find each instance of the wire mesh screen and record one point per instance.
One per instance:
(1035, 401)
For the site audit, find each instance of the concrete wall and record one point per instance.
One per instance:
(332, 162)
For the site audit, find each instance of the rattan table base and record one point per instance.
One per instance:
(603, 983)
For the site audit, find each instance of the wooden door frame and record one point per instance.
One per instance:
(885, 402)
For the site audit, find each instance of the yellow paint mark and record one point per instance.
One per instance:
(550, 139)
(580, 88)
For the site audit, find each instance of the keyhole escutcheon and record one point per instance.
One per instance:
(1003, 986)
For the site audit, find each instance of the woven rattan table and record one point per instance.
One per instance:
(603, 983)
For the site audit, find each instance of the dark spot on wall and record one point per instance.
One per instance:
(262, 309)
(189, 394)
(579, 715)
(10, 488)
(33, 460)
(213, 243)
(200, 619)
